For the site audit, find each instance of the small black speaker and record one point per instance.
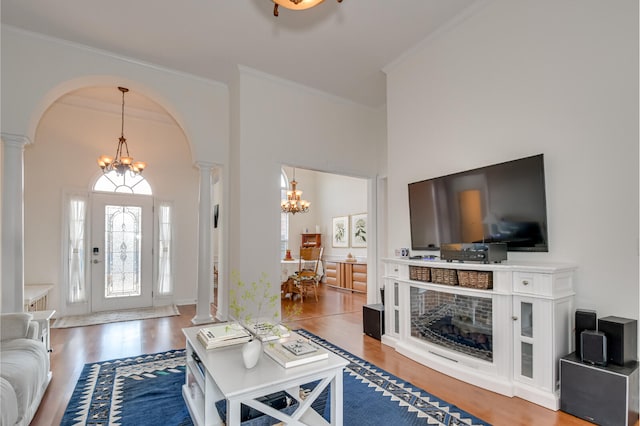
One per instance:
(373, 320)
(585, 320)
(621, 339)
(594, 347)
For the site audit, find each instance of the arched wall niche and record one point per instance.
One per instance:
(64, 88)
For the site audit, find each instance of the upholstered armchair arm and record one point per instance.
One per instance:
(33, 330)
(17, 326)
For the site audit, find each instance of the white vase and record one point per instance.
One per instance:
(251, 353)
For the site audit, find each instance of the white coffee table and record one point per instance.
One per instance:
(225, 377)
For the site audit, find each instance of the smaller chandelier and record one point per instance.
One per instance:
(121, 163)
(296, 4)
(294, 204)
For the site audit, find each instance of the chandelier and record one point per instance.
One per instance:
(296, 4)
(121, 163)
(293, 204)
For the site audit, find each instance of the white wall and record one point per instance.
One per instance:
(283, 123)
(527, 77)
(341, 196)
(37, 70)
(269, 122)
(68, 140)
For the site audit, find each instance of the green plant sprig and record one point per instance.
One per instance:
(256, 294)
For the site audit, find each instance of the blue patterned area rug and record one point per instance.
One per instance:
(146, 390)
(373, 396)
(142, 390)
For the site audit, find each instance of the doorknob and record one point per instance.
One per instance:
(96, 261)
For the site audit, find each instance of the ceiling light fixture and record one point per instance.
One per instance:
(296, 4)
(294, 204)
(121, 163)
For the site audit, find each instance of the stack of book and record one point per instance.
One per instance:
(220, 335)
(295, 351)
(267, 331)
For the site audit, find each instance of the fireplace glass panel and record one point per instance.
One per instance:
(457, 322)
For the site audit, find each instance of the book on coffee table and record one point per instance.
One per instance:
(295, 351)
(266, 331)
(221, 335)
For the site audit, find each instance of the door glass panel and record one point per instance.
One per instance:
(122, 251)
(526, 324)
(526, 359)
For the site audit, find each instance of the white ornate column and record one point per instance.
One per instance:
(12, 205)
(205, 258)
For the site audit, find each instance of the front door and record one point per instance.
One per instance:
(121, 252)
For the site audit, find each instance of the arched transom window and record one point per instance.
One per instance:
(125, 183)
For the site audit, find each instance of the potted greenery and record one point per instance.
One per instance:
(256, 306)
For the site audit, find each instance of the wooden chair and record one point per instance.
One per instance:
(307, 277)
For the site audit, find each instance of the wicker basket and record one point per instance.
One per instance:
(420, 273)
(476, 279)
(444, 276)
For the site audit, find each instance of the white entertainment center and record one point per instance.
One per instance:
(507, 338)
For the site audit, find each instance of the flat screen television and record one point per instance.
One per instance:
(503, 202)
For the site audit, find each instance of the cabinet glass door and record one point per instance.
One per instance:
(396, 309)
(526, 339)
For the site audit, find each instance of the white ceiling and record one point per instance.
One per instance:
(340, 49)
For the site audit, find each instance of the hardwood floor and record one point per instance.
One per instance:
(337, 317)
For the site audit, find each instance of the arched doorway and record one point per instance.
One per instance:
(74, 131)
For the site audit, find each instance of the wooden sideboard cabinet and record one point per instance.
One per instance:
(346, 275)
(311, 240)
(356, 273)
(332, 272)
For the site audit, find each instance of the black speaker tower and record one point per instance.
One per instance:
(621, 339)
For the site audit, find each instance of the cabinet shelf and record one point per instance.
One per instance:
(195, 404)
(198, 376)
(311, 240)
(197, 385)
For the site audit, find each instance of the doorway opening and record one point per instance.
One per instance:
(333, 198)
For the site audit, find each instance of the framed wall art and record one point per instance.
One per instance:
(359, 230)
(340, 231)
